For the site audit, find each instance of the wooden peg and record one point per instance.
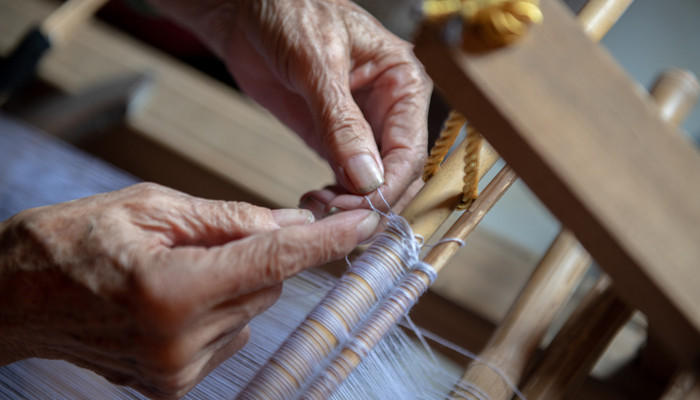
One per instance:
(518, 337)
(676, 93)
(596, 17)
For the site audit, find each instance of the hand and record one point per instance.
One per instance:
(352, 90)
(149, 287)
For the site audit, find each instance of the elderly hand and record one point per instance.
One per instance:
(352, 90)
(149, 287)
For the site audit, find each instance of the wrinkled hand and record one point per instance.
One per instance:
(149, 287)
(352, 90)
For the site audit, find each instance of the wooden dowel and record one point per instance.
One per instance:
(598, 16)
(572, 354)
(18, 67)
(570, 357)
(443, 252)
(68, 18)
(676, 93)
(517, 338)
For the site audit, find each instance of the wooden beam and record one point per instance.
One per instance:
(582, 135)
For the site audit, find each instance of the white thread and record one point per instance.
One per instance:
(358, 312)
(460, 350)
(368, 335)
(381, 195)
(370, 278)
(421, 339)
(459, 241)
(375, 209)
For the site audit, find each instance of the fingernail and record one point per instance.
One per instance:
(367, 226)
(292, 216)
(314, 205)
(364, 173)
(333, 210)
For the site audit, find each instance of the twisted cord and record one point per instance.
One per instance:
(453, 124)
(472, 161)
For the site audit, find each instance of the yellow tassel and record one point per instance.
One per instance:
(488, 23)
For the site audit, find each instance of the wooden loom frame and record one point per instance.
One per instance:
(624, 191)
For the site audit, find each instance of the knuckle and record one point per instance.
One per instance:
(178, 382)
(150, 192)
(245, 212)
(168, 359)
(343, 133)
(148, 189)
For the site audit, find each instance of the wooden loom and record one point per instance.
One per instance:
(567, 190)
(525, 132)
(522, 109)
(609, 191)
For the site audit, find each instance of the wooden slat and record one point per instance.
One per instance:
(591, 146)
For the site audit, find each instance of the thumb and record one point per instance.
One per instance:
(270, 258)
(346, 137)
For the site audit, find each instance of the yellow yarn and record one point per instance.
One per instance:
(472, 158)
(450, 131)
(488, 22)
(472, 161)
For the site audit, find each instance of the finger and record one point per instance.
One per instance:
(262, 260)
(227, 348)
(216, 222)
(347, 139)
(393, 95)
(210, 223)
(281, 254)
(317, 201)
(398, 189)
(195, 221)
(292, 216)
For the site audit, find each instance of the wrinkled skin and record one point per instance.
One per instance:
(335, 76)
(150, 287)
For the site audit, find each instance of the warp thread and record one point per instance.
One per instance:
(332, 322)
(380, 288)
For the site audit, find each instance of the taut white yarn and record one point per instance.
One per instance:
(372, 276)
